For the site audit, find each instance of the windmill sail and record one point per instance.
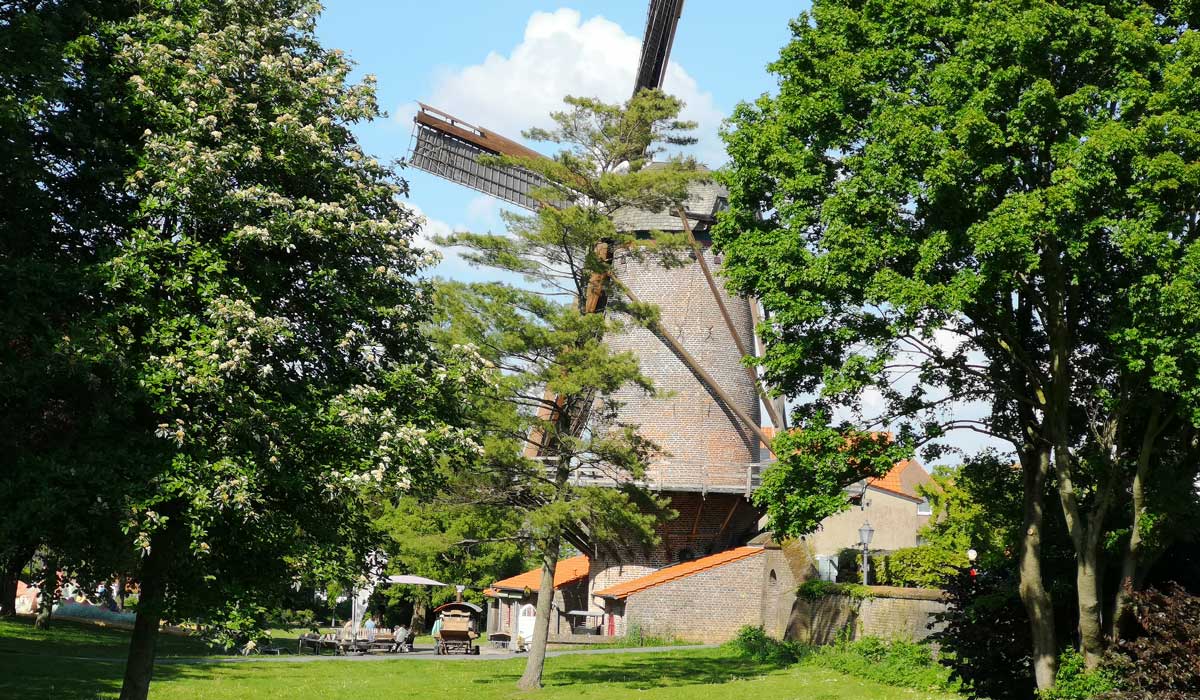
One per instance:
(661, 21)
(450, 148)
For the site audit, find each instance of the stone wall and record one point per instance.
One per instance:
(889, 613)
(709, 606)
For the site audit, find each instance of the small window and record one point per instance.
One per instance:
(924, 508)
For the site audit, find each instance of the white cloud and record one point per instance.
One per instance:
(429, 229)
(484, 210)
(561, 54)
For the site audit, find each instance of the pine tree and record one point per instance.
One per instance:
(551, 414)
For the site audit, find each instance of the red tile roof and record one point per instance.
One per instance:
(673, 573)
(567, 572)
(894, 480)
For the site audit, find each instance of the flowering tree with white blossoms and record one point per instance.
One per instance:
(259, 320)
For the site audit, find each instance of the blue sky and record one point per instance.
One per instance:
(505, 64)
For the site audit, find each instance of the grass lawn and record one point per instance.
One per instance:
(33, 667)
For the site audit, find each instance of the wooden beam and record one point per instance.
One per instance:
(699, 512)
(704, 376)
(729, 517)
(737, 338)
(484, 138)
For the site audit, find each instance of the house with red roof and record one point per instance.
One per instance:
(891, 504)
(512, 601)
(708, 598)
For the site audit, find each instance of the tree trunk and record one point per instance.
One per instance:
(532, 679)
(8, 594)
(1038, 603)
(1133, 552)
(419, 616)
(1091, 629)
(48, 595)
(139, 666)
(121, 583)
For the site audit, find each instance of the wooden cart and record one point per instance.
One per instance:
(458, 632)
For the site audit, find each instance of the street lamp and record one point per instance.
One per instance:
(864, 540)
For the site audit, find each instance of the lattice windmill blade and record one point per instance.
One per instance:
(449, 148)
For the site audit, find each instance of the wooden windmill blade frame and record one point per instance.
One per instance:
(449, 148)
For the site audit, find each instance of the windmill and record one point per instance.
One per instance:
(710, 426)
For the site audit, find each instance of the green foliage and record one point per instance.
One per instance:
(985, 202)
(918, 567)
(976, 505)
(897, 663)
(554, 376)
(455, 543)
(237, 306)
(1075, 682)
(754, 643)
(550, 411)
(984, 636)
(817, 461)
(817, 588)
(635, 636)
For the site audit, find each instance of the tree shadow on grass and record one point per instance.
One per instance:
(24, 675)
(645, 672)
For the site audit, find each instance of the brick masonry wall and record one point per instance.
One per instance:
(710, 606)
(703, 441)
(706, 524)
(892, 613)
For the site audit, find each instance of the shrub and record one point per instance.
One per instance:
(294, 619)
(756, 644)
(635, 636)
(985, 638)
(899, 663)
(918, 567)
(1075, 682)
(817, 588)
(1162, 661)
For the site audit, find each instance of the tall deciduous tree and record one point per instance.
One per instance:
(997, 200)
(551, 414)
(65, 145)
(253, 328)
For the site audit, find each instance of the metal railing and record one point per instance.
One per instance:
(671, 475)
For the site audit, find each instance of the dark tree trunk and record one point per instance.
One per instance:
(139, 666)
(121, 583)
(1038, 603)
(48, 593)
(8, 594)
(532, 678)
(10, 573)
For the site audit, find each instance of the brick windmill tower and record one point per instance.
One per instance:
(709, 427)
